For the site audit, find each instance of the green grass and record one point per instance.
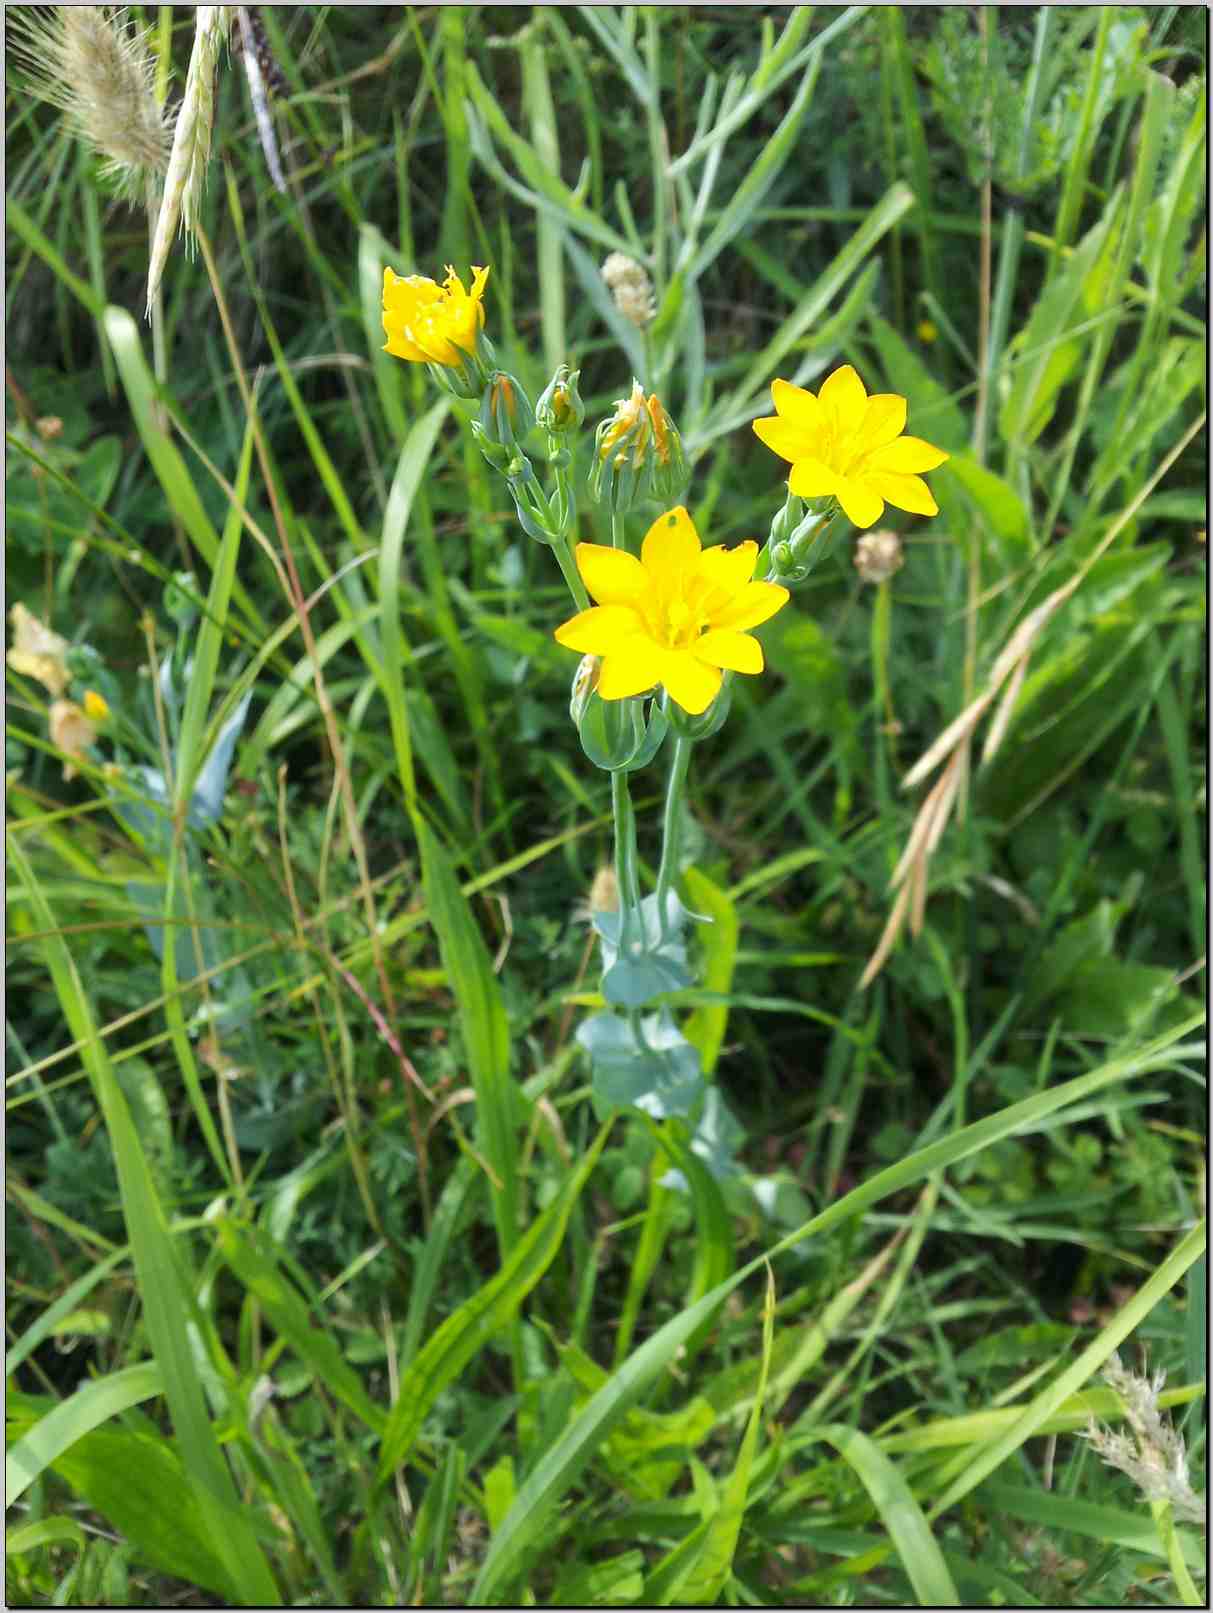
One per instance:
(315, 1224)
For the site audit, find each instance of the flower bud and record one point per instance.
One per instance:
(585, 681)
(560, 408)
(614, 733)
(878, 555)
(631, 288)
(505, 410)
(638, 454)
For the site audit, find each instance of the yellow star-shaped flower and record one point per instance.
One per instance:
(676, 617)
(846, 445)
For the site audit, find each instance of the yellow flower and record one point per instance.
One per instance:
(846, 445)
(926, 330)
(38, 652)
(675, 617)
(96, 705)
(428, 323)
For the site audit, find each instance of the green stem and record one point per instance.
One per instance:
(625, 857)
(617, 531)
(564, 559)
(671, 826)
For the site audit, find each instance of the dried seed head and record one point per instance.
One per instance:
(38, 651)
(1154, 1457)
(631, 288)
(878, 555)
(71, 732)
(604, 892)
(98, 70)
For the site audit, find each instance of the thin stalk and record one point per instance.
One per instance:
(671, 824)
(564, 559)
(625, 856)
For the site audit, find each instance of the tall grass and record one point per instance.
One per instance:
(326, 1282)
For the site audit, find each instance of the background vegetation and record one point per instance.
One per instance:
(263, 1342)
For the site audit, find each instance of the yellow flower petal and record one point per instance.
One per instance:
(811, 478)
(784, 437)
(670, 550)
(903, 492)
(906, 457)
(727, 569)
(861, 503)
(883, 419)
(612, 576)
(631, 670)
(736, 652)
(757, 602)
(843, 399)
(600, 630)
(798, 407)
(692, 684)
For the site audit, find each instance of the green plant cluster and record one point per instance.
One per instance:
(332, 1277)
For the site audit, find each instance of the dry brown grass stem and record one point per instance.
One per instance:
(97, 69)
(952, 748)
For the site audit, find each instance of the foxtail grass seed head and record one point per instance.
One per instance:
(37, 651)
(560, 410)
(186, 178)
(637, 453)
(878, 556)
(97, 69)
(629, 284)
(71, 732)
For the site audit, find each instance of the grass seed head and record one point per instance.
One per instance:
(97, 68)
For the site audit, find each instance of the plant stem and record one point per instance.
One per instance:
(564, 559)
(625, 857)
(671, 826)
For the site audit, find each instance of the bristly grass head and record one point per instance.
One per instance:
(96, 67)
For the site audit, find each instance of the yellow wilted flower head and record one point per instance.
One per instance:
(846, 445)
(71, 732)
(638, 452)
(427, 323)
(676, 617)
(38, 652)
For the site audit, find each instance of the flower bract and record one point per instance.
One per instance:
(428, 323)
(677, 617)
(846, 445)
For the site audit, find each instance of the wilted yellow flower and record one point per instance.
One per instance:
(638, 452)
(846, 445)
(676, 617)
(38, 652)
(70, 731)
(428, 323)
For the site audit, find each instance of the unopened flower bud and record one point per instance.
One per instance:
(585, 681)
(638, 453)
(878, 555)
(560, 408)
(631, 288)
(505, 410)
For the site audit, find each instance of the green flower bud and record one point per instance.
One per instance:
(614, 733)
(637, 454)
(708, 722)
(505, 410)
(560, 408)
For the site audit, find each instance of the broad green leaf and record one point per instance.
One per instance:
(94, 1403)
